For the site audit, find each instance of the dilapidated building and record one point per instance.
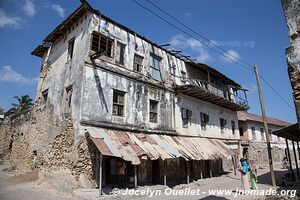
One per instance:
(110, 94)
(254, 146)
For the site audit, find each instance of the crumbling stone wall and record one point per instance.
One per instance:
(36, 139)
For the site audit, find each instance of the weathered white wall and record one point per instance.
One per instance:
(213, 126)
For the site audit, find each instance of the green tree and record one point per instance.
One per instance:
(24, 102)
(1, 111)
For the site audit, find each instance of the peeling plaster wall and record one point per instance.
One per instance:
(59, 72)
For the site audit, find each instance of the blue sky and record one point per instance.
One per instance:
(254, 31)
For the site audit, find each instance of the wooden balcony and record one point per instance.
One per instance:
(214, 94)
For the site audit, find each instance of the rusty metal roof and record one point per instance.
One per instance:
(132, 146)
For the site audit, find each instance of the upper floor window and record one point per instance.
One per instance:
(71, 48)
(137, 63)
(204, 119)
(253, 133)
(118, 103)
(241, 130)
(69, 91)
(102, 43)
(153, 111)
(185, 115)
(45, 96)
(155, 67)
(120, 49)
(262, 134)
(183, 76)
(233, 127)
(223, 123)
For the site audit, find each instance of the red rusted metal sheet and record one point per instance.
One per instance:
(101, 146)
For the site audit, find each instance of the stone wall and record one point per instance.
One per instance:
(35, 139)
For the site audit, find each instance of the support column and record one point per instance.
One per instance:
(135, 176)
(210, 170)
(165, 173)
(289, 155)
(187, 172)
(234, 163)
(296, 162)
(298, 150)
(100, 174)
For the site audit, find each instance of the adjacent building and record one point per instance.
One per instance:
(253, 137)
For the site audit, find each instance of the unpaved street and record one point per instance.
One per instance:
(28, 187)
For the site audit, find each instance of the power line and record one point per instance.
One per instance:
(177, 20)
(234, 59)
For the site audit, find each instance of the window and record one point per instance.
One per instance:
(204, 119)
(233, 127)
(137, 63)
(223, 123)
(183, 76)
(241, 131)
(120, 49)
(102, 43)
(153, 111)
(69, 91)
(118, 103)
(45, 96)
(253, 133)
(71, 48)
(155, 67)
(185, 115)
(262, 134)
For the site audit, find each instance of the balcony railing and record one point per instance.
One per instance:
(215, 93)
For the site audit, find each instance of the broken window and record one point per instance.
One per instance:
(120, 49)
(155, 67)
(102, 43)
(183, 76)
(223, 123)
(233, 127)
(153, 111)
(118, 103)
(44, 96)
(262, 133)
(71, 48)
(185, 115)
(204, 119)
(69, 91)
(137, 63)
(253, 133)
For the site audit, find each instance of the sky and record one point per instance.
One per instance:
(254, 31)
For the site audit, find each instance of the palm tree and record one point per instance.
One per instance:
(24, 102)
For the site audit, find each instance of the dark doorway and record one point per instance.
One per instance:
(155, 172)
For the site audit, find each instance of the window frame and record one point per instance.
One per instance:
(253, 133)
(153, 111)
(108, 39)
(262, 134)
(69, 94)
(233, 127)
(183, 76)
(118, 104)
(122, 46)
(223, 123)
(71, 50)
(140, 66)
(45, 94)
(151, 68)
(204, 118)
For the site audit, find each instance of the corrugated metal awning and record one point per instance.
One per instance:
(132, 146)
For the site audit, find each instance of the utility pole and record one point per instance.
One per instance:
(265, 127)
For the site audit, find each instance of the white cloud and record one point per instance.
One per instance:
(60, 10)
(191, 45)
(232, 56)
(29, 8)
(7, 74)
(8, 21)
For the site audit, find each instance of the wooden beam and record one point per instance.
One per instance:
(135, 177)
(165, 172)
(289, 155)
(187, 172)
(100, 175)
